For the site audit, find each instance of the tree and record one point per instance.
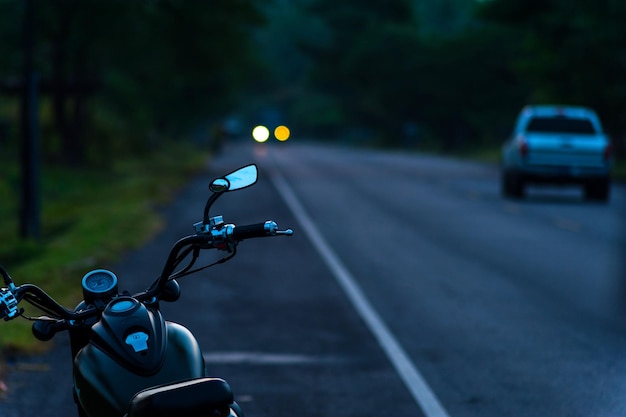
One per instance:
(116, 70)
(450, 82)
(362, 61)
(571, 52)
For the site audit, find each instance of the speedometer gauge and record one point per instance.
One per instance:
(99, 284)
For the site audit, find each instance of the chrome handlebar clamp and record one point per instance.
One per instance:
(8, 304)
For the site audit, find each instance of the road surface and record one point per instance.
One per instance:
(410, 288)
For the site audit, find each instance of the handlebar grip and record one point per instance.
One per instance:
(254, 230)
(45, 330)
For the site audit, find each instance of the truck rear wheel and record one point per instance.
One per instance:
(512, 185)
(598, 190)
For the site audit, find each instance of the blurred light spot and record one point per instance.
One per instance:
(260, 133)
(282, 133)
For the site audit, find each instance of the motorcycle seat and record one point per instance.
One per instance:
(191, 398)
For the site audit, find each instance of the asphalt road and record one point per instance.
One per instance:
(410, 288)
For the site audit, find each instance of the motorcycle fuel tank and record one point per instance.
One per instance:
(132, 348)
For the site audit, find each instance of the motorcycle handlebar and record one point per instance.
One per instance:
(10, 297)
(208, 236)
(268, 228)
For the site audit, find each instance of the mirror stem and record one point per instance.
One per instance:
(209, 203)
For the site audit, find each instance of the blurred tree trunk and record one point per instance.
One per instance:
(68, 95)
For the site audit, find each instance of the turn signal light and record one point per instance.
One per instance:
(522, 146)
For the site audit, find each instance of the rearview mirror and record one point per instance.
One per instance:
(236, 180)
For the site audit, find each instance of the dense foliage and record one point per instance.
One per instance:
(456, 71)
(570, 52)
(116, 75)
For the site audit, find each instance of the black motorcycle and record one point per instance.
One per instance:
(128, 361)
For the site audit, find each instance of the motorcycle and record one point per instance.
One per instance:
(128, 361)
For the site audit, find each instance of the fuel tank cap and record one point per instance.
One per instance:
(138, 341)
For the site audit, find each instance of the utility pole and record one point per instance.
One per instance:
(30, 222)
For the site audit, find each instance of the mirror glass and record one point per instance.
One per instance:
(243, 177)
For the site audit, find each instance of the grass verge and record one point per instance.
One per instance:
(89, 217)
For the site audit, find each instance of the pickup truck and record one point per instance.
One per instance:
(557, 145)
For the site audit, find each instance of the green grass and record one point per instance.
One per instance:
(89, 218)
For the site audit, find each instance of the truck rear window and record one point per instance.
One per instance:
(560, 125)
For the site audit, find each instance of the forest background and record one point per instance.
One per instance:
(124, 86)
(118, 77)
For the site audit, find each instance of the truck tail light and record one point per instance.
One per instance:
(522, 146)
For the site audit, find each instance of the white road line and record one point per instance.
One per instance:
(412, 378)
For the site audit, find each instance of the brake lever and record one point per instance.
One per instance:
(286, 232)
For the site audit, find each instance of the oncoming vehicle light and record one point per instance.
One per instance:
(260, 134)
(282, 133)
